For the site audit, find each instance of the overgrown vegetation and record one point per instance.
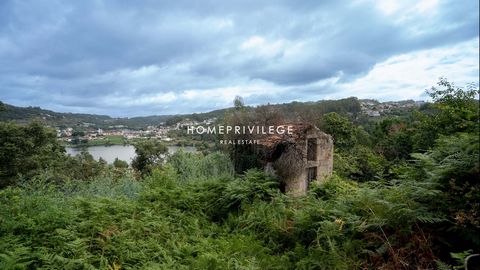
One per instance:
(405, 195)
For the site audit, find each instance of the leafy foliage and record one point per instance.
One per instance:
(150, 153)
(120, 164)
(26, 150)
(340, 128)
(197, 167)
(404, 195)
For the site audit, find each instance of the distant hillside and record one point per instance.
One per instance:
(27, 114)
(24, 115)
(348, 106)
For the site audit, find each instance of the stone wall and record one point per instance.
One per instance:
(298, 185)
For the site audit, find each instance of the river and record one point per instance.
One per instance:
(122, 152)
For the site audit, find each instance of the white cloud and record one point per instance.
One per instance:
(426, 6)
(143, 100)
(388, 6)
(395, 7)
(407, 76)
(223, 96)
(264, 48)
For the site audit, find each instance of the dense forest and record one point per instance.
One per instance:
(405, 194)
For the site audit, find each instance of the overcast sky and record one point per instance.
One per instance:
(130, 58)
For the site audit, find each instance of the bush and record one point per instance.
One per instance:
(197, 167)
(360, 163)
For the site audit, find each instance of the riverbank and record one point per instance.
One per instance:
(122, 152)
(120, 140)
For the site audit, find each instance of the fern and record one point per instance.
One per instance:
(18, 258)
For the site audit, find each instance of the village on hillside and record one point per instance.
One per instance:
(89, 133)
(118, 134)
(374, 108)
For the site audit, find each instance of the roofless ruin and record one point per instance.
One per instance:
(299, 158)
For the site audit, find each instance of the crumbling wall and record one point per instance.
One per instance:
(298, 184)
(286, 157)
(325, 157)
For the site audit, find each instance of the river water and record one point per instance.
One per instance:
(122, 152)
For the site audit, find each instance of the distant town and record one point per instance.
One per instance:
(118, 134)
(91, 134)
(374, 108)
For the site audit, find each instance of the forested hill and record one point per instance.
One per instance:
(27, 114)
(351, 106)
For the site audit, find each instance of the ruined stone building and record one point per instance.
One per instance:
(300, 158)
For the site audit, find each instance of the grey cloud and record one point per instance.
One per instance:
(78, 54)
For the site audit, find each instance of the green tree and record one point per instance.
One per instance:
(454, 110)
(27, 150)
(85, 167)
(394, 139)
(342, 130)
(458, 107)
(359, 163)
(150, 153)
(238, 103)
(120, 164)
